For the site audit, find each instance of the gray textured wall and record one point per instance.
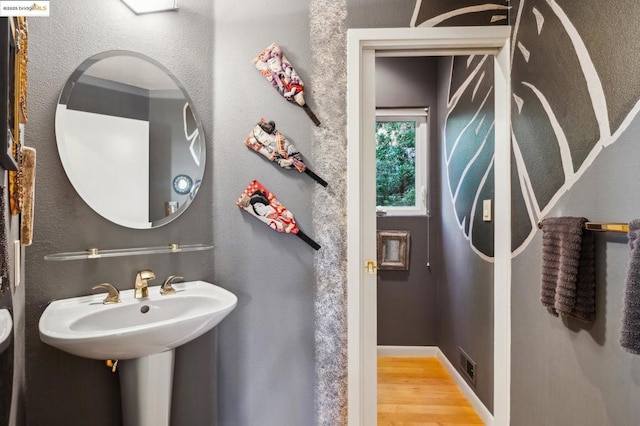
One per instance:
(564, 373)
(84, 391)
(266, 363)
(407, 300)
(379, 13)
(407, 82)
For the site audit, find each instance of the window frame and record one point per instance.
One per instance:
(421, 117)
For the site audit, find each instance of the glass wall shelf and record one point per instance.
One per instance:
(94, 253)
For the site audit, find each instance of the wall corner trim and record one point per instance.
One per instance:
(466, 390)
(423, 351)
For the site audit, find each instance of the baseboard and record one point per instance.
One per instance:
(425, 351)
(484, 413)
(435, 352)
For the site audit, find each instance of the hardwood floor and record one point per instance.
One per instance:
(416, 391)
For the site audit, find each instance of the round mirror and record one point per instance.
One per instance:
(127, 134)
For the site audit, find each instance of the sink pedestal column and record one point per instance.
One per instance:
(145, 386)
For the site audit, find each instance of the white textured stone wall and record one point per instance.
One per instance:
(328, 31)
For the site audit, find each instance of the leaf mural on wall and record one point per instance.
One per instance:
(469, 146)
(571, 98)
(430, 13)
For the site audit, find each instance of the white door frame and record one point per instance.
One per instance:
(362, 45)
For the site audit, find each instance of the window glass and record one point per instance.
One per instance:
(401, 162)
(395, 163)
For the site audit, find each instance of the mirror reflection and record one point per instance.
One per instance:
(129, 139)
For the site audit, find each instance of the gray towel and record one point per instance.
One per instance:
(630, 333)
(568, 268)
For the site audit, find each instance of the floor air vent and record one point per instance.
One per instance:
(467, 367)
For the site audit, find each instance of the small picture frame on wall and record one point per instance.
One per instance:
(393, 250)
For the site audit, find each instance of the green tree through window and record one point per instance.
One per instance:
(396, 163)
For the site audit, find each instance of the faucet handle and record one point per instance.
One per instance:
(112, 297)
(166, 287)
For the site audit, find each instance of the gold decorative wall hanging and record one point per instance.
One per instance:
(20, 34)
(27, 187)
(21, 73)
(14, 182)
(4, 246)
(9, 122)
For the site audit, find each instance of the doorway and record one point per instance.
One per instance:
(362, 334)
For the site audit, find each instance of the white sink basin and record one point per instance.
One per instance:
(134, 328)
(6, 329)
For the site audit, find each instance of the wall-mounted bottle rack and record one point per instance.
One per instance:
(95, 253)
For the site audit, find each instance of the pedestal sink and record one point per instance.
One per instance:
(141, 334)
(6, 329)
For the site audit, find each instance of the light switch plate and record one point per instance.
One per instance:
(17, 250)
(486, 210)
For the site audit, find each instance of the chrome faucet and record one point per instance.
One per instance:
(141, 289)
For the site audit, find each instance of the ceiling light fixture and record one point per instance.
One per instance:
(148, 6)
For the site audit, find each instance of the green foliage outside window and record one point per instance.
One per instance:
(395, 163)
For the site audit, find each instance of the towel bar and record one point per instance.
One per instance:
(603, 227)
(607, 227)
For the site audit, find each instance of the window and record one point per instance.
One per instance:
(401, 161)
